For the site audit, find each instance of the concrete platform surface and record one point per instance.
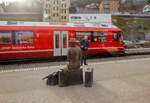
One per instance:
(137, 51)
(124, 81)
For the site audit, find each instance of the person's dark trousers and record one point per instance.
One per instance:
(84, 58)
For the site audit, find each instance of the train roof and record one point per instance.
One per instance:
(54, 25)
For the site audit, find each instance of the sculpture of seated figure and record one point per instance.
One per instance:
(73, 74)
(74, 56)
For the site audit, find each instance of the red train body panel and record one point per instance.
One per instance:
(44, 41)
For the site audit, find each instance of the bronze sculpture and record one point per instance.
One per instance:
(74, 56)
(73, 74)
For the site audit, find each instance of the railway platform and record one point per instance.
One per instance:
(120, 81)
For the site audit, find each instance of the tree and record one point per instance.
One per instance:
(148, 1)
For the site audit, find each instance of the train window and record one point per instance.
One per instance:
(115, 36)
(23, 37)
(5, 37)
(64, 40)
(57, 40)
(80, 35)
(120, 37)
(99, 36)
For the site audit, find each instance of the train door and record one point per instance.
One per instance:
(60, 43)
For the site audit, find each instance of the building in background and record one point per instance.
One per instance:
(56, 10)
(109, 6)
(2, 6)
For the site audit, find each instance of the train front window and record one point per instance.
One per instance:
(115, 36)
(5, 37)
(80, 35)
(99, 36)
(120, 36)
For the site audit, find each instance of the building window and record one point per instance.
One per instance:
(106, 1)
(55, 8)
(106, 6)
(47, 1)
(47, 5)
(55, 14)
(107, 10)
(47, 11)
(63, 11)
(63, 17)
(49, 17)
(64, 5)
(56, 2)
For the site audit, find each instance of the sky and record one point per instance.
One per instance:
(7, 0)
(10, 0)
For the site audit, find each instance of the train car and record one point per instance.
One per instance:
(40, 40)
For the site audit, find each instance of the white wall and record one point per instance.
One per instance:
(91, 18)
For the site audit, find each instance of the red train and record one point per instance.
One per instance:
(22, 41)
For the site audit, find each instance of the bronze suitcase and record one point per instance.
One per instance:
(70, 77)
(88, 77)
(52, 79)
